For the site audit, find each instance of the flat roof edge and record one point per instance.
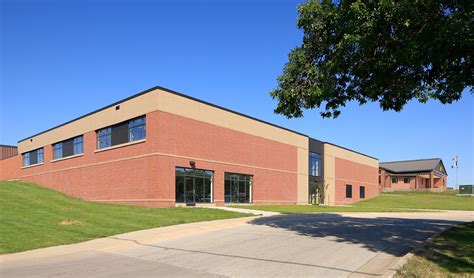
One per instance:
(90, 113)
(169, 91)
(9, 146)
(347, 149)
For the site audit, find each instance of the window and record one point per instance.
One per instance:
(26, 159)
(193, 185)
(362, 192)
(394, 179)
(314, 164)
(33, 157)
(104, 138)
(68, 147)
(406, 180)
(78, 145)
(237, 188)
(136, 129)
(348, 191)
(58, 150)
(121, 133)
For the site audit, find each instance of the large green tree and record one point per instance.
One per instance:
(386, 51)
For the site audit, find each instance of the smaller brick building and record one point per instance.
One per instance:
(7, 151)
(422, 174)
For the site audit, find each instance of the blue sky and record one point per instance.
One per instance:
(62, 59)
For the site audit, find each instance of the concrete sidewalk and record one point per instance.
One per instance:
(281, 245)
(250, 211)
(128, 239)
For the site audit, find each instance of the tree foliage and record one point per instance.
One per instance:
(386, 51)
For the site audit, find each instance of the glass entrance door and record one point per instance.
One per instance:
(189, 192)
(193, 185)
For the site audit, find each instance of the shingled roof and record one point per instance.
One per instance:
(407, 166)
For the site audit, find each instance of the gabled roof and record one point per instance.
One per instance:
(408, 166)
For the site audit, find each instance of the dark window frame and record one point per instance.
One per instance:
(315, 162)
(137, 126)
(361, 192)
(394, 179)
(76, 143)
(405, 179)
(33, 157)
(244, 188)
(72, 145)
(104, 138)
(349, 191)
(184, 174)
(121, 133)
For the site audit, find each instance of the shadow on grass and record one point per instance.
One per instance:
(395, 236)
(452, 251)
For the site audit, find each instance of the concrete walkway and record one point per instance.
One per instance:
(308, 245)
(250, 211)
(128, 239)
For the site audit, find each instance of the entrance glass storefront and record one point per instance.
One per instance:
(237, 188)
(315, 191)
(193, 185)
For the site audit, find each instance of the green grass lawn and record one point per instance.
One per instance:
(387, 202)
(446, 200)
(31, 217)
(451, 254)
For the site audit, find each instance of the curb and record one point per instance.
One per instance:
(393, 270)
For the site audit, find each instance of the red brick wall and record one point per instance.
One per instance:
(438, 183)
(144, 173)
(401, 185)
(356, 174)
(388, 181)
(382, 178)
(10, 167)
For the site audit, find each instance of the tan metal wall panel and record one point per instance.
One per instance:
(335, 151)
(189, 108)
(167, 102)
(128, 109)
(329, 179)
(332, 152)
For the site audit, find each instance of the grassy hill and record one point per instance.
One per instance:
(388, 202)
(33, 217)
(447, 200)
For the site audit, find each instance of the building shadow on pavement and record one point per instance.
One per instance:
(395, 236)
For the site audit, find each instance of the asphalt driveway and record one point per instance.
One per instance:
(324, 245)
